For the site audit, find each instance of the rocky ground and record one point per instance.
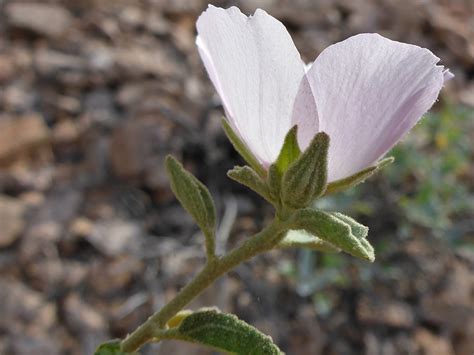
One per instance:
(94, 94)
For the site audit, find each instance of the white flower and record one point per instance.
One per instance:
(365, 92)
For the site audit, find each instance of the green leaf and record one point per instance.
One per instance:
(209, 206)
(306, 177)
(335, 231)
(248, 177)
(358, 178)
(242, 149)
(195, 198)
(227, 333)
(289, 152)
(303, 239)
(111, 347)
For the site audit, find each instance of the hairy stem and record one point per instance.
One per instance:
(259, 243)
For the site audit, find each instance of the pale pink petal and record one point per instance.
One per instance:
(257, 71)
(305, 114)
(447, 75)
(370, 91)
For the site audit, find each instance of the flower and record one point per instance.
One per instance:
(365, 92)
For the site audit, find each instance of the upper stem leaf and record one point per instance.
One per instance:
(195, 198)
(342, 233)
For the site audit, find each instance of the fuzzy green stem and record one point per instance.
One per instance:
(259, 243)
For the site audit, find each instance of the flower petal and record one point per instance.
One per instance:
(257, 70)
(305, 114)
(369, 92)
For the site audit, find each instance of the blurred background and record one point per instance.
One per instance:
(94, 94)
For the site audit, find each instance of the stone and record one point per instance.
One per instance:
(136, 152)
(156, 23)
(21, 135)
(52, 274)
(128, 150)
(49, 222)
(18, 97)
(115, 236)
(24, 310)
(23, 344)
(385, 312)
(306, 335)
(99, 107)
(432, 344)
(110, 277)
(138, 61)
(49, 20)
(81, 227)
(180, 7)
(11, 220)
(66, 131)
(7, 68)
(81, 316)
(49, 62)
(452, 305)
(88, 325)
(466, 96)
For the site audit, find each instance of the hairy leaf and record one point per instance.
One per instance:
(358, 230)
(226, 332)
(194, 197)
(334, 231)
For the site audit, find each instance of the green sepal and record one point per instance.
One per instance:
(245, 175)
(290, 151)
(195, 198)
(111, 347)
(303, 239)
(306, 178)
(225, 332)
(242, 149)
(336, 231)
(358, 178)
(274, 182)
